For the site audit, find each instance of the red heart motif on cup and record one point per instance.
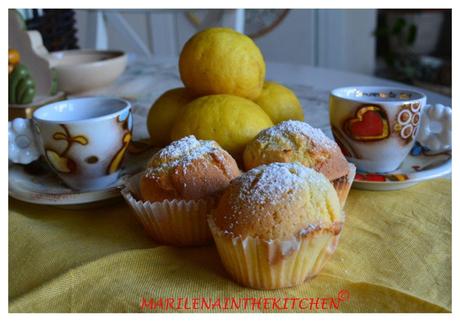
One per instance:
(369, 124)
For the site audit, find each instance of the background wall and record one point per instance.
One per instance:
(338, 39)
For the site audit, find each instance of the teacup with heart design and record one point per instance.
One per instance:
(376, 127)
(83, 140)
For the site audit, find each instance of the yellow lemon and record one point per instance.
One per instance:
(229, 120)
(164, 112)
(222, 61)
(279, 102)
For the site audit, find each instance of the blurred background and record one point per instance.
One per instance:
(410, 46)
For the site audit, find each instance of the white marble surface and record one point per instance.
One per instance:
(144, 81)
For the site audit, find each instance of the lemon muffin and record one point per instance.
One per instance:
(178, 189)
(276, 225)
(297, 141)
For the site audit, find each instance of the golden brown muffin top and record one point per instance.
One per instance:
(188, 169)
(297, 141)
(278, 201)
(183, 152)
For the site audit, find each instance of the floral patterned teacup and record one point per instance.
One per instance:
(376, 127)
(83, 140)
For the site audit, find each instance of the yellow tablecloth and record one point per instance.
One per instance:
(394, 255)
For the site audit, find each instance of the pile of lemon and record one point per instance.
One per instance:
(225, 97)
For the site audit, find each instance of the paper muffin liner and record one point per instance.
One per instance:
(343, 184)
(174, 222)
(273, 264)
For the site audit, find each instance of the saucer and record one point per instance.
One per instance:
(37, 184)
(418, 166)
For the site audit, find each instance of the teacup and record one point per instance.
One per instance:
(376, 127)
(84, 140)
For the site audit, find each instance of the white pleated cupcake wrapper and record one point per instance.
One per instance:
(342, 187)
(175, 222)
(274, 264)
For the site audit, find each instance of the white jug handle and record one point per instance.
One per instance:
(22, 146)
(435, 132)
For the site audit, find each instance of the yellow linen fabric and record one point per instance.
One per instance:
(394, 256)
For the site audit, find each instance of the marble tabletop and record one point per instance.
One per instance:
(145, 80)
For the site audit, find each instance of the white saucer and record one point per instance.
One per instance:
(37, 183)
(413, 170)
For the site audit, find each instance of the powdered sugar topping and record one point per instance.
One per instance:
(180, 152)
(273, 182)
(290, 127)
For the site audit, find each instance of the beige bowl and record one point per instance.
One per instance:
(83, 70)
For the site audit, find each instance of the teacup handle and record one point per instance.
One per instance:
(22, 146)
(435, 132)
